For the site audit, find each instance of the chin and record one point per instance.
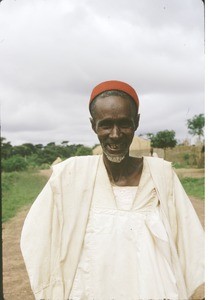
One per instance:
(115, 158)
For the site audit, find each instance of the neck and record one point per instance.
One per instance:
(116, 171)
(110, 165)
(125, 173)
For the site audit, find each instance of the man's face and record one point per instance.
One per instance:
(114, 121)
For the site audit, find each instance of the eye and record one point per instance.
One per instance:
(105, 125)
(125, 124)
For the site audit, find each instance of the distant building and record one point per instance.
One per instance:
(186, 142)
(57, 161)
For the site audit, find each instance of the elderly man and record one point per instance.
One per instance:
(113, 226)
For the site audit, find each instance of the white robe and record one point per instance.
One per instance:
(55, 227)
(121, 257)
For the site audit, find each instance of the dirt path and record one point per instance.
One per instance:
(15, 278)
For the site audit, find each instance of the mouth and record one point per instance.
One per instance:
(116, 148)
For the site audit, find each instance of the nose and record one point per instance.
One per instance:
(115, 132)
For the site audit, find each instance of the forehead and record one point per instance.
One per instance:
(113, 107)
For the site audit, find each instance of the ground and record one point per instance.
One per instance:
(15, 278)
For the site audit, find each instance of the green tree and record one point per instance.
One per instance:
(65, 143)
(6, 148)
(196, 125)
(29, 148)
(49, 153)
(163, 139)
(83, 150)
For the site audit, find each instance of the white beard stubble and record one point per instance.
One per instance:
(115, 159)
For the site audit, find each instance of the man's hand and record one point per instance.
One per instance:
(199, 293)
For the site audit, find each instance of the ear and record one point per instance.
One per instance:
(93, 124)
(137, 119)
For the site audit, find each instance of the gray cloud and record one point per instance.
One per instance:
(54, 52)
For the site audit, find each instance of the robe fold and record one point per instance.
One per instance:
(54, 230)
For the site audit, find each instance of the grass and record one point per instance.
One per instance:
(18, 190)
(194, 186)
(184, 165)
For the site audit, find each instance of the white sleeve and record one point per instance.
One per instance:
(190, 238)
(40, 246)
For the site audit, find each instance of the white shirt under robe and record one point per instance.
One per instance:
(79, 238)
(120, 258)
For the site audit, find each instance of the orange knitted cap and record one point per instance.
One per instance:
(114, 85)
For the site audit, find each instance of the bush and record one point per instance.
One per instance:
(186, 157)
(14, 163)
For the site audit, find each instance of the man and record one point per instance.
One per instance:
(113, 226)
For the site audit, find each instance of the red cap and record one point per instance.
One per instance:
(114, 85)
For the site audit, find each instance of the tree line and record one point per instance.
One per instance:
(17, 158)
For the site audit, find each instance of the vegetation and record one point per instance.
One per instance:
(194, 186)
(19, 158)
(14, 163)
(19, 189)
(196, 125)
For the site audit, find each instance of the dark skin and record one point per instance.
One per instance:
(126, 173)
(115, 122)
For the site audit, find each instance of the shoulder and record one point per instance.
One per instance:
(160, 167)
(76, 162)
(157, 162)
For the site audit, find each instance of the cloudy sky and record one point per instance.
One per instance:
(54, 52)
